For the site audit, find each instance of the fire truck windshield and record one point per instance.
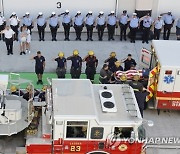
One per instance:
(123, 132)
(76, 129)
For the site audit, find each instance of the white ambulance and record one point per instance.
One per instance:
(164, 78)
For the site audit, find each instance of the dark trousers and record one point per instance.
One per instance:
(146, 34)
(89, 31)
(78, 30)
(41, 31)
(111, 30)
(123, 29)
(90, 72)
(9, 45)
(157, 33)
(2, 35)
(133, 33)
(167, 31)
(15, 29)
(75, 73)
(100, 29)
(53, 32)
(66, 30)
(61, 72)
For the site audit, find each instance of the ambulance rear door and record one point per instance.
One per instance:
(145, 58)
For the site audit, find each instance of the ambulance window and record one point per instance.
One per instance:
(97, 132)
(76, 129)
(123, 132)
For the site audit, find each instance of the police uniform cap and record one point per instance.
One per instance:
(101, 12)
(61, 54)
(40, 13)
(112, 12)
(123, 77)
(78, 12)
(117, 63)
(44, 88)
(134, 14)
(53, 13)
(90, 12)
(14, 13)
(136, 77)
(13, 88)
(75, 52)
(27, 13)
(91, 53)
(113, 54)
(159, 16)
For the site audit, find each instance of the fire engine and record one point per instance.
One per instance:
(164, 77)
(84, 118)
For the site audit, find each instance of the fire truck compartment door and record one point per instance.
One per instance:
(167, 79)
(177, 81)
(145, 58)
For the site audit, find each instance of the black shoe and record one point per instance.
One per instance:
(43, 39)
(91, 39)
(21, 53)
(79, 39)
(8, 53)
(68, 39)
(112, 38)
(52, 39)
(147, 42)
(125, 39)
(65, 39)
(142, 41)
(11, 53)
(120, 39)
(76, 38)
(55, 39)
(109, 39)
(39, 39)
(87, 39)
(133, 41)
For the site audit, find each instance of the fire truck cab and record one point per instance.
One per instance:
(164, 77)
(85, 118)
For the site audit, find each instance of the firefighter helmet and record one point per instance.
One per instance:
(113, 54)
(61, 54)
(117, 63)
(91, 53)
(136, 77)
(44, 88)
(29, 88)
(75, 52)
(123, 77)
(13, 88)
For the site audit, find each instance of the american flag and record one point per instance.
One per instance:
(129, 74)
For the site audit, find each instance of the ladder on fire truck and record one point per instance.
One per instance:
(129, 100)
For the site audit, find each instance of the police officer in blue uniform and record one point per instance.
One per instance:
(89, 21)
(158, 25)
(54, 25)
(41, 25)
(76, 64)
(168, 21)
(101, 24)
(91, 65)
(147, 22)
(2, 25)
(28, 21)
(123, 22)
(61, 65)
(78, 25)
(39, 66)
(111, 25)
(133, 26)
(66, 22)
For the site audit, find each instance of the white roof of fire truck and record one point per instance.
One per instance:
(78, 99)
(168, 52)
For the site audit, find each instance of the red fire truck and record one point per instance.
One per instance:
(85, 118)
(164, 77)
